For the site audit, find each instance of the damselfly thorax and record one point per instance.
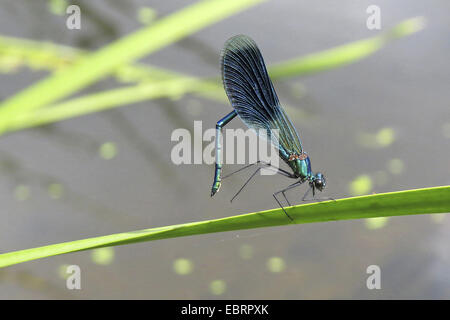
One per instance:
(300, 165)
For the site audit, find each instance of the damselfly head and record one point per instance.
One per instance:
(319, 181)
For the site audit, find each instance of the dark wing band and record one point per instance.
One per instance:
(252, 95)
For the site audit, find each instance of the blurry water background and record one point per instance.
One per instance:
(379, 125)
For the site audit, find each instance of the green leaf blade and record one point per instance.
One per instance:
(97, 65)
(410, 202)
(344, 54)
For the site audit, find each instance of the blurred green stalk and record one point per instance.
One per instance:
(127, 49)
(153, 80)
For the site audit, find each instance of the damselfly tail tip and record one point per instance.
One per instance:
(213, 191)
(215, 187)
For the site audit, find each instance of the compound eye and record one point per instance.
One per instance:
(319, 183)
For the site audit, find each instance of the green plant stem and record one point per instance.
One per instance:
(179, 84)
(410, 202)
(345, 54)
(105, 100)
(125, 50)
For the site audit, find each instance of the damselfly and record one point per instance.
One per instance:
(253, 97)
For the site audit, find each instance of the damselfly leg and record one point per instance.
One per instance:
(266, 166)
(294, 185)
(313, 197)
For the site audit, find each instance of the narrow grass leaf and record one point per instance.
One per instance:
(410, 202)
(124, 50)
(154, 79)
(345, 54)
